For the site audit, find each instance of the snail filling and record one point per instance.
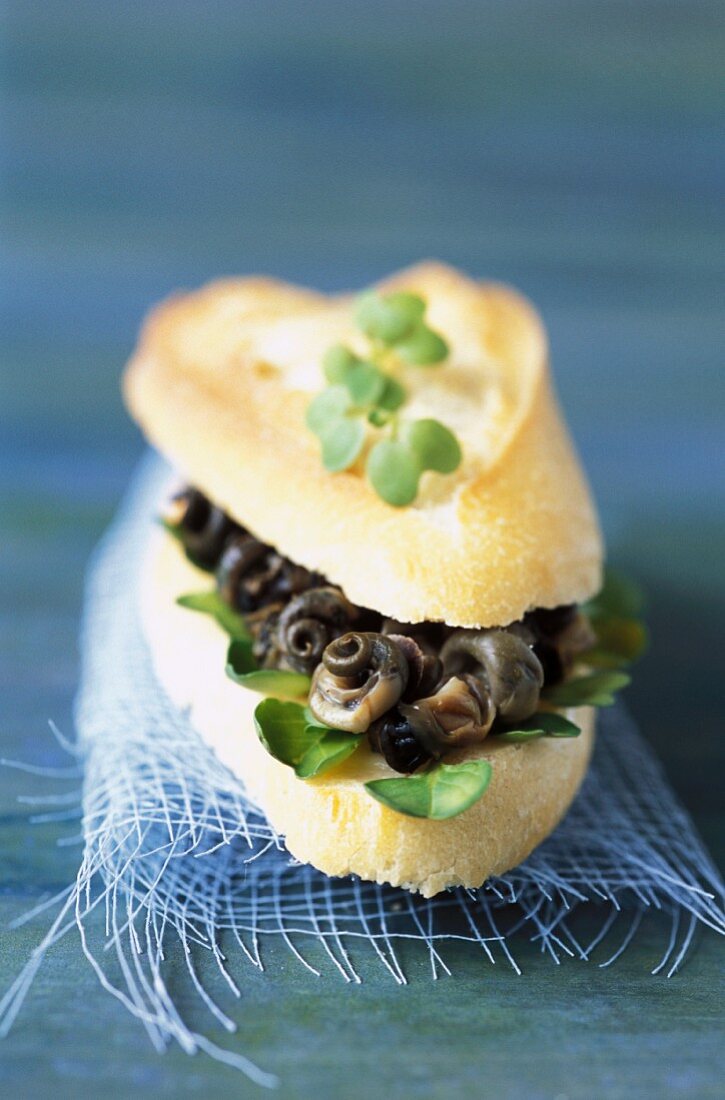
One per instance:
(417, 690)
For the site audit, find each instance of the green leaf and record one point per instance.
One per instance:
(287, 735)
(619, 642)
(342, 441)
(435, 445)
(392, 396)
(211, 603)
(407, 304)
(619, 598)
(388, 319)
(329, 750)
(379, 417)
(277, 682)
(240, 658)
(282, 729)
(544, 724)
(280, 683)
(444, 791)
(423, 347)
(394, 472)
(337, 363)
(366, 383)
(596, 689)
(328, 406)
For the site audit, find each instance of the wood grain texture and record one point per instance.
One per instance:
(567, 148)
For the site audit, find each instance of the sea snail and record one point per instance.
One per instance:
(485, 672)
(307, 625)
(251, 575)
(362, 675)
(504, 663)
(202, 527)
(459, 713)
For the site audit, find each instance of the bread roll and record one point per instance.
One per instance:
(220, 383)
(331, 821)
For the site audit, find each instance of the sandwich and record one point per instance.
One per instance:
(375, 586)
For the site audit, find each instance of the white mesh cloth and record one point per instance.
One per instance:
(173, 847)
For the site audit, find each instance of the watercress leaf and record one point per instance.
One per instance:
(596, 689)
(390, 318)
(543, 724)
(554, 725)
(392, 396)
(275, 682)
(328, 748)
(240, 658)
(619, 597)
(342, 442)
(422, 347)
(311, 720)
(279, 683)
(211, 603)
(514, 735)
(282, 729)
(619, 642)
(365, 383)
(287, 735)
(444, 791)
(337, 363)
(326, 407)
(435, 445)
(394, 472)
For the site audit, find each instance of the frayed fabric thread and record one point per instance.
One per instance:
(174, 849)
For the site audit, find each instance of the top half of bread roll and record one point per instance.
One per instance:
(220, 382)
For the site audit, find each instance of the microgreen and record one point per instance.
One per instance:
(434, 445)
(337, 362)
(439, 793)
(392, 396)
(394, 472)
(364, 391)
(342, 440)
(211, 603)
(389, 319)
(280, 683)
(366, 384)
(288, 735)
(423, 347)
(544, 724)
(328, 407)
(595, 689)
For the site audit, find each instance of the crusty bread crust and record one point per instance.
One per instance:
(220, 383)
(331, 822)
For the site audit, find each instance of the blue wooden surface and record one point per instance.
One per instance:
(570, 148)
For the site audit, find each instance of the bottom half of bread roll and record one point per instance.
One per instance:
(331, 821)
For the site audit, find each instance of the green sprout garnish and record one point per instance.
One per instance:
(364, 391)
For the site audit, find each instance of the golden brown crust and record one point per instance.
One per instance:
(220, 382)
(331, 822)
